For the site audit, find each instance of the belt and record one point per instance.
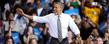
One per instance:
(57, 38)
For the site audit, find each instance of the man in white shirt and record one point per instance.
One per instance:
(52, 19)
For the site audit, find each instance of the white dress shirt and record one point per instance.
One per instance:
(20, 24)
(51, 19)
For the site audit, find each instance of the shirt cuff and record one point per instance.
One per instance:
(35, 18)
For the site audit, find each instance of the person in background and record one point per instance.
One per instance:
(9, 40)
(76, 19)
(104, 10)
(86, 27)
(92, 11)
(33, 41)
(94, 35)
(104, 26)
(70, 36)
(106, 37)
(9, 17)
(74, 3)
(20, 24)
(99, 40)
(57, 33)
(41, 11)
(8, 24)
(73, 10)
(28, 33)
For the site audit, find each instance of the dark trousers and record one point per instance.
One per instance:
(56, 41)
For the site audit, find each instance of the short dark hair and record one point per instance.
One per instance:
(59, 3)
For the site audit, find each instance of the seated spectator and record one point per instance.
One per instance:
(20, 25)
(9, 40)
(38, 32)
(9, 17)
(77, 20)
(106, 36)
(99, 40)
(74, 13)
(86, 26)
(70, 36)
(104, 26)
(94, 35)
(72, 39)
(28, 34)
(33, 41)
(92, 12)
(74, 10)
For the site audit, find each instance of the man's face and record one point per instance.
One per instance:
(57, 9)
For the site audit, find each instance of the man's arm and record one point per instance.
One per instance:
(34, 18)
(74, 27)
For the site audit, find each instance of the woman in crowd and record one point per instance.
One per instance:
(9, 40)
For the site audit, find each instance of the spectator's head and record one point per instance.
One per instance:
(32, 23)
(74, 16)
(84, 18)
(33, 41)
(9, 40)
(99, 40)
(70, 34)
(38, 3)
(9, 15)
(103, 2)
(58, 7)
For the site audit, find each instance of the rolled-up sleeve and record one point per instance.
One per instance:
(73, 26)
(42, 19)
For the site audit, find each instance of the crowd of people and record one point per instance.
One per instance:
(90, 16)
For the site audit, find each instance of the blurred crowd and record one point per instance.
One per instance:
(91, 17)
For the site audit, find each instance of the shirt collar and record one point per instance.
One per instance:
(60, 15)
